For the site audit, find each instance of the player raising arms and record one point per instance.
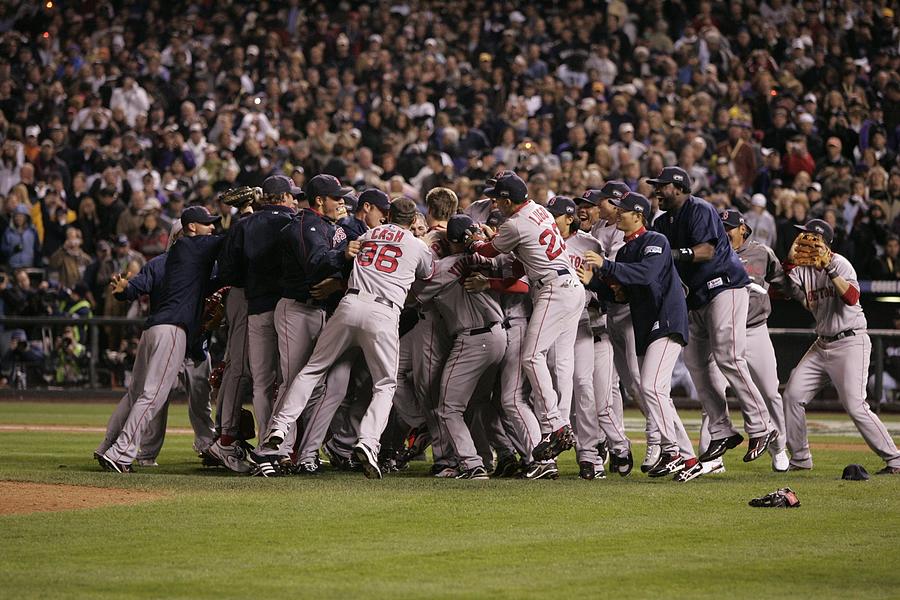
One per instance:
(644, 268)
(826, 285)
(557, 301)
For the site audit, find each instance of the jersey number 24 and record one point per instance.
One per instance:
(384, 259)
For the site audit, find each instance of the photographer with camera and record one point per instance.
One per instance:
(68, 357)
(18, 358)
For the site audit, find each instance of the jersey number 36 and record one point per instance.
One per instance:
(384, 259)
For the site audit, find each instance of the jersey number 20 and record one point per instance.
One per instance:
(551, 239)
(383, 259)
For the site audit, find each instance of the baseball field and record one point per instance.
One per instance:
(181, 531)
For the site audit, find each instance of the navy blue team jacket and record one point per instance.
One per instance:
(312, 249)
(645, 268)
(186, 283)
(697, 222)
(253, 248)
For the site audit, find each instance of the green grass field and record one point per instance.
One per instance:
(339, 535)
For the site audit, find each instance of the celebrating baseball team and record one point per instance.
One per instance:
(501, 337)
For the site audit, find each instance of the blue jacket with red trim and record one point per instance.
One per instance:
(645, 268)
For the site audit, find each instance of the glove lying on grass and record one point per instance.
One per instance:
(783, 498)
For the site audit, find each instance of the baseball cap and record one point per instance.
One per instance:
(32, 131)
(614, 189)
(675, 175)
(820, 227)
(806, 118)
(591, 197)
(633, 202)
(758, 200)
(458, 226)
(855, 473)
(121, 240)
(626, 128)
(376, 198)
(351, 201)
(198, 214)
(732, 218)
(561, 205)
(509, 185)
(279, 184)
(326, 185)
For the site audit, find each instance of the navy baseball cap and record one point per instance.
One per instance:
(376, 198)
(351, 201)
(614, 189)
(561, 205)
(633, 201)
(508, 185)
(732, 218)
(197, 214)
(675, 175)
(458, 227)
(326, 185)
(855, 473)
(591, 197)
(279, 184)
(820, 227)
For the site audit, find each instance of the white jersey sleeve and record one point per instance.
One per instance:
(390, 258)
(534, 237)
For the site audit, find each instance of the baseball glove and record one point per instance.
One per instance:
(808, 250)
(241, 196)
(783, 498)
(214, 309)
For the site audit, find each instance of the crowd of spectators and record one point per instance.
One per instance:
(115, 115)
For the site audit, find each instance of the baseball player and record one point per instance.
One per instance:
(372, 209)
(645, 269)
(171, 330)
(717, 301)
(253, 244)
(530, 232)
(476, 325)
(194, 373)
(830, 291)
(764, 270)
(389, 259)
(596, 213)
(235, 379)
(505, 276)
(586, 404)
(430, 338)
(311, 249)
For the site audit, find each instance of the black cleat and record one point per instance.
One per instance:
(889, 471)
(758, 445)
(540, 470)
(621, 464)
(669, 464)
(473, 473)
(603, 452)
(590, 471)
(554, 444)
(508, 466)
(720, 446)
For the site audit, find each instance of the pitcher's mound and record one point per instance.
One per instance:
(22, 497)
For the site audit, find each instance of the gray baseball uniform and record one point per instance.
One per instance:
(159, 357)
(606, 389)
(557, 300)
(430, 338)
(764, 270)
(388, 262)
(841, 354)
(621, 336)
(475, 322)
(236, 376)
(195, 379)
(584, 408)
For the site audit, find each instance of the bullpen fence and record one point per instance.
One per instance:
(790, 345)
